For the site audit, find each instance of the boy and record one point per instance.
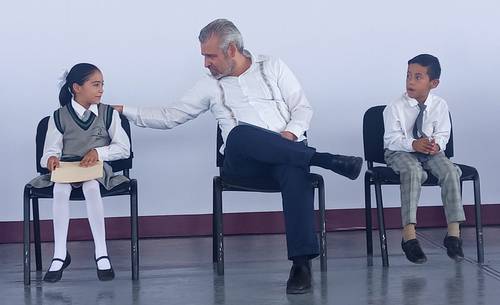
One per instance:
(417, 129)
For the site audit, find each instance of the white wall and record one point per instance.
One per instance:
(348, 55)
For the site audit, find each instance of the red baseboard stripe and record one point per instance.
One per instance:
(238, 223)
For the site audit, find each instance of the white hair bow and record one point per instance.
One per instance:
(62, 79)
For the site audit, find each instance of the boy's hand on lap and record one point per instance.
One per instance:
(423, 146)
(90, 158)
(52, 163)
(435, 148)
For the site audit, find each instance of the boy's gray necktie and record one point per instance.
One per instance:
(86, 115)
(417, 127)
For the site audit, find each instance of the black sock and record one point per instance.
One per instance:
(300, 260)
(321, 159)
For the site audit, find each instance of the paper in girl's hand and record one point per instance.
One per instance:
(70, 172)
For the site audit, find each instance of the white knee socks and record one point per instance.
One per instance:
(95, 213)
(60, 211)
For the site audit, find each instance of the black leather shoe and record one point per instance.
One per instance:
(347, 166)
(54, 276)
(413, 251)
(106, 274)
(454, 247)
(300, 279)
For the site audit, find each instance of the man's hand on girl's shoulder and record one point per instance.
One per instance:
(118, 108)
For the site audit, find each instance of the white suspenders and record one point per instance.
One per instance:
(269, 87)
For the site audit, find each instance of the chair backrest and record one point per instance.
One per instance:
(118, 165)
(373, 136)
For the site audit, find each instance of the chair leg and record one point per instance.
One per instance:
(36, 228)
(322, 224)
(479, 224)
(215, 189)
(368, 221)
(26, 236)
(381, 224)
(219, 231)
(134, 234)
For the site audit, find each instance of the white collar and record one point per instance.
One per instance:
(254, 60)
(79, 109)
(413, 102)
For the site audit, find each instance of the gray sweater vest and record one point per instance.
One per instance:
(81, 136)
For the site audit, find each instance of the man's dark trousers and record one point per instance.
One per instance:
(253, 152)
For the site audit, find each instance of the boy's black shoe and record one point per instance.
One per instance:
(106, 274)
(300, 279)
(453, 246)
(413, 251)
(54, 276)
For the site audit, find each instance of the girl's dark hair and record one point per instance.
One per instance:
(79, 74)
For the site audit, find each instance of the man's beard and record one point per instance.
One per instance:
(230, 68)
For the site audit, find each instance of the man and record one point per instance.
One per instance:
(263, 114)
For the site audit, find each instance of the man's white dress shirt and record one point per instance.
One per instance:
(267, 95)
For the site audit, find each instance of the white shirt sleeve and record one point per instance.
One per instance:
(300, 110)
(53, 143)
(192, 104)
(442, 129)
(119, 148)
(395, 137)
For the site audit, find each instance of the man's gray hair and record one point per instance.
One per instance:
(227, 33)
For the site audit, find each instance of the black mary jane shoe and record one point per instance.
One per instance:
(106, 274)
(55, 276)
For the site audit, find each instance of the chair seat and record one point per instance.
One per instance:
(77, 194)
(258, 184)
(386, 175)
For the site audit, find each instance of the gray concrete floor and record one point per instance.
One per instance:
(179, 271)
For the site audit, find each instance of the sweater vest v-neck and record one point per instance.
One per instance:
(81, 136)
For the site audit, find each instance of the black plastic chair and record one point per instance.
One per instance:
(228, 184)
(373, 140)
(33, 194)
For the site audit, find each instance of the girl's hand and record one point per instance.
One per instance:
(52, 163)
(90, 158)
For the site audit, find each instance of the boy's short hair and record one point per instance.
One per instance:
(430, 62)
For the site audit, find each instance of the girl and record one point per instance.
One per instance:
(86, 130)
